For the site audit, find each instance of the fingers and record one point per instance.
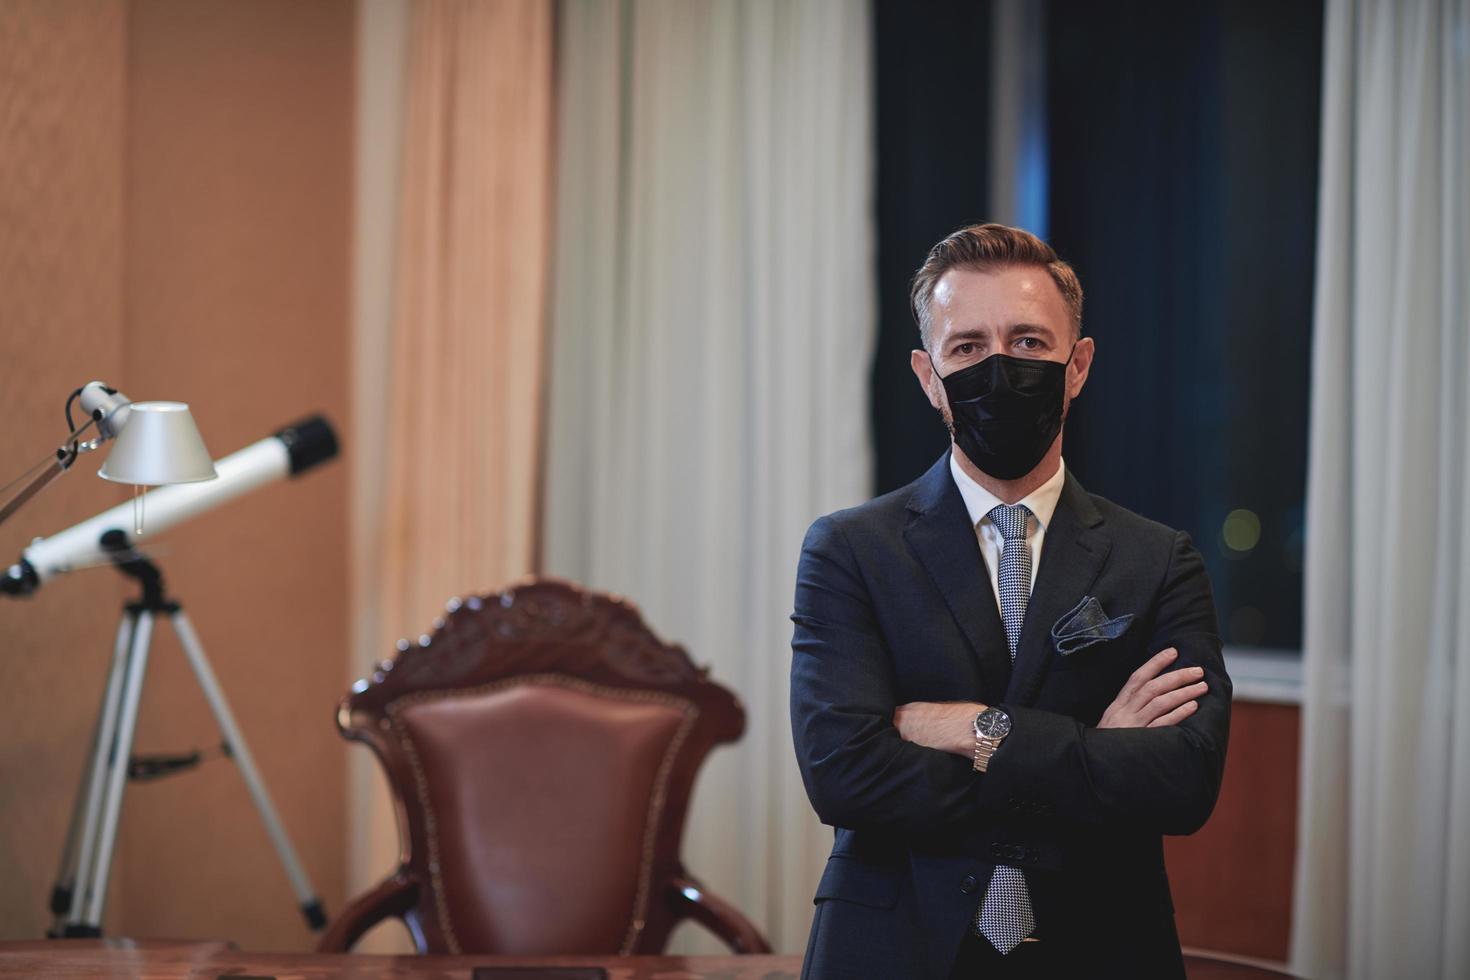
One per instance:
(1156, 697)
(1151, 668)
(1176, 716)
(1165, 703)
(1172, 681)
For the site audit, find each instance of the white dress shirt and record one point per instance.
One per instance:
(1042, 502)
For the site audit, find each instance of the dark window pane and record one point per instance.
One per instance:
(1183, 188)
(933, 96)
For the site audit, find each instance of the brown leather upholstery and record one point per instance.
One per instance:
(542, 745)
(515, 808)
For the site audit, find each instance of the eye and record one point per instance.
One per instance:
(964, 350)
(1031, 344)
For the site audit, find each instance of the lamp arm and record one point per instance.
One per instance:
(51, 467)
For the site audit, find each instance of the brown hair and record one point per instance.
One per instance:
(985, 247)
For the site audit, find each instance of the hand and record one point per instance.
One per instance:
(1149, 700)
(949, 727)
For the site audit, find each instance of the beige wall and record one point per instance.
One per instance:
(61, 314)
(180, 177)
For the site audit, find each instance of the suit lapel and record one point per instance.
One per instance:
(1072, 554)
(940, 534)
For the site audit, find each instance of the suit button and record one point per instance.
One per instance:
(967, 884)
(998, 851)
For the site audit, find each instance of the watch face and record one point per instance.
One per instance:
(993, 723)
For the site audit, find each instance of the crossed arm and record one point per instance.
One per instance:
(1154, 763)
(1151, 698)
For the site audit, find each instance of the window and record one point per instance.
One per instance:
(1183, 177)
(1182, 180)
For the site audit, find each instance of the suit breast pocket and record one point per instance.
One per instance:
(1083, 684)
(1104, 655)
(852, 880)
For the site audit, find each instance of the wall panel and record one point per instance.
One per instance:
(175, 193)
(1232, 881)
(61, 284)
(238, 248)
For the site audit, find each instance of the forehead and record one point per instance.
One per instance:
(994, 299)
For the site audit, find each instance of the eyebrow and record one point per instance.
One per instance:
(1016, 329)
(1013, 330)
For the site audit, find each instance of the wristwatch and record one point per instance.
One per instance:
(991, 727)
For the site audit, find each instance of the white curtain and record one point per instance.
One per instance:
(1383, 868)
(712, 326)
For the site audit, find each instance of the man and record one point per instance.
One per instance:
(1004, 691)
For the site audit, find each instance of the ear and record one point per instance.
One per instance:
(1080, 366)
(923, 369)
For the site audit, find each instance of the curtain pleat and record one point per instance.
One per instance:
(1383, 864)
(712, 330)
(463, 381)
(466, 367)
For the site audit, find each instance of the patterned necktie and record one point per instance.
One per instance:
(1005, 917)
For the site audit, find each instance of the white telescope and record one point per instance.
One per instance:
(165, 447)
(289, 452)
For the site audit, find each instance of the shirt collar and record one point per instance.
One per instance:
(1041, 502)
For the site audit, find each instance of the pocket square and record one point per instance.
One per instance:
(1085, 624)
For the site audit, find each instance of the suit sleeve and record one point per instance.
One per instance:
(1160, 779)
(858, 772)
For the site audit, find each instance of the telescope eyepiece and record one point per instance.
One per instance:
(309, 442)
(19, 579)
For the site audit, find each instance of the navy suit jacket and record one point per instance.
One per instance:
(893, 604)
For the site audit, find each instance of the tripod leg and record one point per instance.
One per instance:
(117, 769)
(311, 906)
(66, 873)
(76, 865)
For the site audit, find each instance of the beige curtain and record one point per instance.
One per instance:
(448, 506)
(467, 334)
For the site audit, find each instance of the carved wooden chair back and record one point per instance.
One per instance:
(541, 745)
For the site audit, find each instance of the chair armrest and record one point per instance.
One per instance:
(692, 900)
(393, 897)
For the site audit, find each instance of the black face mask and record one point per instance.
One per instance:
(1007, 411)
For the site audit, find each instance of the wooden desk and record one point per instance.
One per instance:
(122, 959)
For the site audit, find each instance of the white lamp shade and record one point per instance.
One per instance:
(158, 445)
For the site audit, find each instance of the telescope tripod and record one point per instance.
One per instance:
(80, 892)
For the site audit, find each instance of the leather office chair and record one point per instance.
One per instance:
(541, 747)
